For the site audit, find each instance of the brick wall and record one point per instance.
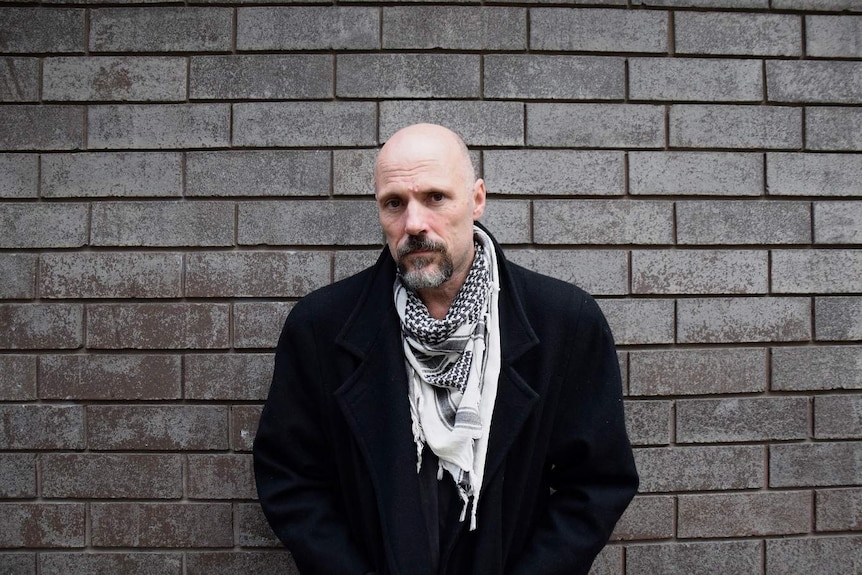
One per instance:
(173, 178)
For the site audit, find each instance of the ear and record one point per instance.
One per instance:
(478, 199)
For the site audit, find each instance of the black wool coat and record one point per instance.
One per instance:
(335, 461)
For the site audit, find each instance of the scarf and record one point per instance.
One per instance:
(452, 367)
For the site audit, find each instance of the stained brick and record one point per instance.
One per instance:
(221, 477)
(19, 175)
(46, 127)
(41, 427)
(480, 123)
(838, 222)
(19, 276)
(795, 174)
(308, 28)
(34, 29)
(255, 274)
(741, 419)
(292, 222)
(233, 377)
(558, 77)
(109, 377)
(110, 275)
(454, 27)
(112, 174)
(743, 222)
(161, 525)
(17, 377)
(304, 124)
(834, 36)
(696, 173)
(700, 468)
(353, 172)
(41, 525)
(725, 320)
(243, 426)
(640, 321)
(253, 530)
(18, 473)
(833, 128)
(157, 427)
(647, 517)
(744, 514)
(258, 324)
(735, 126)
(838, 318)
(697, 371)
(814, 81)
(43, 225)
(231, 562)
(158, 326)
(817, 271)
(162, 224)
(258, 173)
(19, 79)
(818, 556)
(160, 29)
(602, 222)
(110, 78)
(111, 476)
(815, 464)
(560, 172)
(158, 126)
(105, 563)
(648, 422)
(738, 34)
(287, 76)
(598, 30)
(600, 272)
(699, 271)
(838, 417)
(727, 557)
(817, 368)
(41, 326)
(839, 509)
(408, 75)
(352, 262)
(18, 563)
(689, 79)
(595, 125)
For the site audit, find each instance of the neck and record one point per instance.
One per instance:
(438, 300)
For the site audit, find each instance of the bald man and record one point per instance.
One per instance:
(444, 412)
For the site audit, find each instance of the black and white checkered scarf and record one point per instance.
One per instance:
(453, 365)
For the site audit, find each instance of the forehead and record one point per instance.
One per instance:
(404, 172)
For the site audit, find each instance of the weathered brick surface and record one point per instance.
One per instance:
(255, 274)
(741, 419)
(41, 427)
(307, 28)
(111, 476)
(745, 514)
(725, 320)
(602, 222)
(18, 563)
(838, 222)
(112, 174)
(647, 517)
(816, 368)
(158, 326)
(815, 464)
(41, 326)
(288, 76)
(304, 124)
(161, 126)
(738, 34)
(557, 77)
(17, 377)
(696, 173)
(697, 371)
(160, 29)
(600, 272)
(538, 172)
(640, 321)
(512, 217)
(43, 225)
(408, 75)
(109, 377)
(833, 36)
(348, 263)
(480, 123)
(648, 422)
(697, 468)
(730, 557)
(794, 174)
(99, 563)
(18, 472)
(699, 271)
(228, 376)
(252, 527)
(59, 525)
(293, 222)
(110, 78)
(110, 275)
(598, 30)
(817, 556)
(609, 561)
(157, 428)
(817, 82)
(460, 28)
(161, 525)
(19, 175)
(683, 80)
(32, 127)
(258, 173)
(353, 172)
(743, 222)
(817, 271)
(595, 125)
(19, 276)
(243, 426)
(258, 324)
(162, 224)
(221, 477)
(19, 79)
(839, 509)
(838, 318)
(838, 416)
(30, 29)
(735, 126)
(230, 562)
(833, 128)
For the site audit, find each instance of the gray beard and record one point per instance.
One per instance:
(419, 278)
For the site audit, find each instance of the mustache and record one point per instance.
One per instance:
(420, 243)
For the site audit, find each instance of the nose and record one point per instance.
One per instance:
(415, 219)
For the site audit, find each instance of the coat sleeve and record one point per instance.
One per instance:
(295, 473)
(590, 462)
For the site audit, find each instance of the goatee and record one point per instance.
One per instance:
(418, 277)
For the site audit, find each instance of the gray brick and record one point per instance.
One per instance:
(648, 422)
(19, 176)
(833, 36)
(304, 124)
(838, 318)
(232, 377)
(741, 419)
(795, 174)
(600, 272)
(726, 557)
(158, 326)
(41, 326)
(19, 276)
(838, 417)
(699, 272)
(296, 222)
(743, 222)
(408, 75)
(348, 263)
(647, 517)
(19, 475)
(697, 371)
(258, 173)
(814, 81)
(700, 468)
(229, 562)
(560, 172)
(817, 271)
(639, 321)
(110, 377)
(43, 225)
(816, 368)
(158, 126)
(161, 525)
(732, 126)
(112, 174)
(41, 427)
(157, 427)
(603, 222)
(598, 30)
(816, 556)
(18, 563)
(744, 514)
(255, 274)
(254, 531)
(42, 525)
(595, 125)
(830, 5)
(285, 76)
(609, 561)
(727, 320)
(111, 476)
(696, 173)
(509, 220)
(838, 222)
(19, 79)
(160, 29)
(480, 123)
(308, 28)
(103, 563)
(839, 509)
(689, 79)
(243, 426)
(833, 128)
(353, 172)
(704, 3)
(454, 28)
(738, 34)
(258, 324)
(32, 127)
(815, 464)
(557, 77)
(110, 78)
(221, 477)
(110, 275)
(34, 29)
(162, 224)
(17, 378)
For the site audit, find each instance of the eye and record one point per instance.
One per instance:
(392, 204)
(438, 197)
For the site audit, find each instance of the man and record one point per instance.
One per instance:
(443, 412)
